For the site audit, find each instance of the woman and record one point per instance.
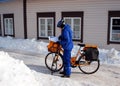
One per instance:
(67, 44)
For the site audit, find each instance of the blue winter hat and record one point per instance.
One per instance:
(61, 23)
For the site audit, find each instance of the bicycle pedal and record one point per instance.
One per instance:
(53, 65)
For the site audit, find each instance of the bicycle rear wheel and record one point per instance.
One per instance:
(54, 62)
(90, 67)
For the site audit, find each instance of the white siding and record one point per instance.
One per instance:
(15, 7)
(95, 17)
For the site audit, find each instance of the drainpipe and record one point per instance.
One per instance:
(25, 18)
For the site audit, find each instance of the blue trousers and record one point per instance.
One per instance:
(66, 62)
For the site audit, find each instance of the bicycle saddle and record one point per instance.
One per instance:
(82, 45)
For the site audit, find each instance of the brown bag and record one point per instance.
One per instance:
(53, 46)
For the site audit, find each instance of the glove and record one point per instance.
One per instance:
(59, 37)
(58, 42)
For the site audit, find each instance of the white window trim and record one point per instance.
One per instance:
(72, 25)
(8, 30)
(111, 25)
(46, 30)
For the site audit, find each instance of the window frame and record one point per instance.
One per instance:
(8, 16)
(45, 15)
(112, 15)
(75, 14)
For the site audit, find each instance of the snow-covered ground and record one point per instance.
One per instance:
(22, 64)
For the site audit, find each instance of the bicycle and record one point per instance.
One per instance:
(54, 61)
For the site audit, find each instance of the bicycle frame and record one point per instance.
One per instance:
(78, 55)
(74, 59)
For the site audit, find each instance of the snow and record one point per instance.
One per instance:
(22, 70)
(14, 72)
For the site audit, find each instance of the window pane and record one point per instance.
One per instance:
(50, 33)
(50, 21)
(76, 28)
(49, 24)
(68, 21)
(42, 27)
(77, 25)
(115, 29)
(116, 22)
(49, 30)
(42, 32)
(6, 25)
(76, 35)
(77, 21)
(11, 26)
(116, 37)
(50, 27)
(42, 21)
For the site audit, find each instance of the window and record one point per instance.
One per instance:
(114, 27)
(46, 25)
(0, 27)
(75, 25)
(8, 21)
(8, 26)
(75, 20)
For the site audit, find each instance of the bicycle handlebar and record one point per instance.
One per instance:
(81, 45)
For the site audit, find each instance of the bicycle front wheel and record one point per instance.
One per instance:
(90, 67)
(54, 62)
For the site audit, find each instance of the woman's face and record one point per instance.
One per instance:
(60, 29)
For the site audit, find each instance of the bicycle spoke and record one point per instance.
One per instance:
(54, 62)
(88, 67)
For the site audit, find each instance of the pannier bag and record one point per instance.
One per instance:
(91, 53)
(53, 46)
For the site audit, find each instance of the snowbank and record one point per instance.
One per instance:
(23, 44)
(31, 45)
(109, 56)
(15, 73)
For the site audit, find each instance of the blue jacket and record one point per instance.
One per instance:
(66, 38)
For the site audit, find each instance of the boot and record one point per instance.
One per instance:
(65, 76)
(62, 72)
